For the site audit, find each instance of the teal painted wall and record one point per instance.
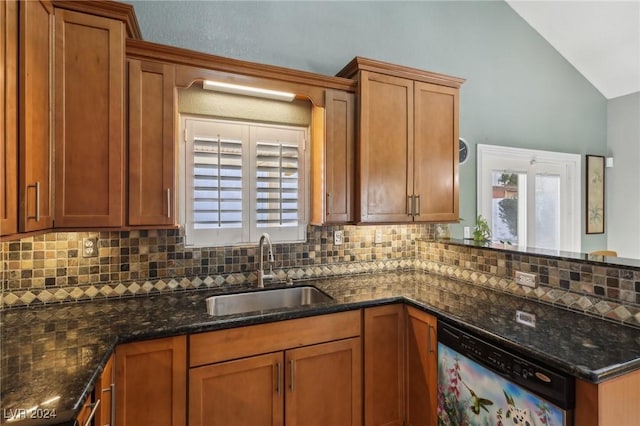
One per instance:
(519, 92)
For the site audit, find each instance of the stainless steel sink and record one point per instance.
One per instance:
(238, 303)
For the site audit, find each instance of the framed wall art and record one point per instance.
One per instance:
(595, 194)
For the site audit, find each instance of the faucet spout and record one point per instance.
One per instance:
(261, 275)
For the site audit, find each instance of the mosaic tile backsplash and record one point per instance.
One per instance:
(50, 268)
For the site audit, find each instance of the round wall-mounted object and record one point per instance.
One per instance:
(463, 150)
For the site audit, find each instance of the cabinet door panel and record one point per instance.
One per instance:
(151, 143)
(36, 33)
(422, 369)
(151, 383)
(340, 151)
(324, 384)
(244, 392)
(386, 129)
(384, 332)
(436, 152)
(89, 117)
(105, 391)
(9, 117)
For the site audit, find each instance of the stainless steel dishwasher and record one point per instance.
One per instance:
(481, 384)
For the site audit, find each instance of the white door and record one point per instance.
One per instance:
(530, 198)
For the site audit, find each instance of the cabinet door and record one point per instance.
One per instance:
(422, 368)
(105, 392)
(151, 382)
(244, 392)
(9, 117)
(436, 153)
(89, 117)
(324, 384)
(151, 143)
(384, 335)
(36, 41)
(386, 128)
(340, 152)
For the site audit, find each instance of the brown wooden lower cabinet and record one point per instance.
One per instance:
(422, 368)
(384, 365)
(318, 385)
(105, 392)
(151, 382)
(310, 373)
(610, 403)
(98, 407)
(324, 384)
(249, 391)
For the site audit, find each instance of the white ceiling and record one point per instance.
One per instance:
(600, 38)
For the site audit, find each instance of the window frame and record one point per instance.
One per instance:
(526, 159)
(250, 232)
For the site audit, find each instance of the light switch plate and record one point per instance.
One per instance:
(338, 238)
(378, 237)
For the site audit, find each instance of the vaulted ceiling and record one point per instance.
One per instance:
(600, 38)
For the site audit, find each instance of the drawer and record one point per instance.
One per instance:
(223, 345)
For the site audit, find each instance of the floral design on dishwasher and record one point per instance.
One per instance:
(471, 395)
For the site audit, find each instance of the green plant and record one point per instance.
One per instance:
(481, 232)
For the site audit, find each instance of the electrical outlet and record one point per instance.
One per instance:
(338, 238)
(526, 279)
(89, 247)
(526, 318)
(378, 237)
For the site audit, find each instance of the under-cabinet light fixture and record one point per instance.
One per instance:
(248, 91)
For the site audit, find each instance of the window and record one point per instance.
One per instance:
(530, 198)
(242, 180)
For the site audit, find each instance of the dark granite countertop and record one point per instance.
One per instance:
(58, 351)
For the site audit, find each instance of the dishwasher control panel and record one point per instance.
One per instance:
(554, 386)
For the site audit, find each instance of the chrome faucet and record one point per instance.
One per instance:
(261, 275)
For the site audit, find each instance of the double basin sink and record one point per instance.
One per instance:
(262, 300)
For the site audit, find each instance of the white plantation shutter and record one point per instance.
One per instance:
(217, 187)
(277, 185)
(242, 180)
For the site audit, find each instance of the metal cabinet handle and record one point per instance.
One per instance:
(37, 187)
(168, 202)
(409, 205)
(429, 347)
(95, 406)
(278, 378)
(292, 370)
(329, 208)
(419, 209)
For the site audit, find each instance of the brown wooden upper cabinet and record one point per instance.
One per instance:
(89, 120)
(8, 117)
(35, 91)
(151, 143)
(407, 148)
(333, 154)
